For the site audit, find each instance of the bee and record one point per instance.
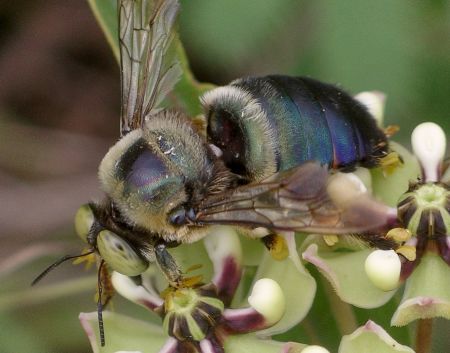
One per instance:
(165, 183)
(263, 159)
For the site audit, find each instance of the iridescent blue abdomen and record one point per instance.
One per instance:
(272, 123)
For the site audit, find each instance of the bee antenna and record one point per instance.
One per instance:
(56, 264)
(100, 304)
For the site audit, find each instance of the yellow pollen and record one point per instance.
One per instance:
(331, 240)
(399, 235)
(407, 251)
(89, 260)
(278, 248)
(390, 162)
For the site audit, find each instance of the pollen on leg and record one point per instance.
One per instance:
(276, 245)
(88, 260)
(390, 162)
(391, 130)
(330, 239)
(191, 282)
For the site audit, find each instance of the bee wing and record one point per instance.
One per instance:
(294, 200)
(149, 67)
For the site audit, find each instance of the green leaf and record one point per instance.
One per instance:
(291, 276)
(345, 271)
(371, 338)
(186, 93)
(122, 333)
(389, 188)
(105, 11)
(253, 250)
(382, 316)
(427, 292)
(249, 344)
(125, 334)
(320, 326)
(188, 90)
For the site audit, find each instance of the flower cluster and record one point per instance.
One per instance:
(220, 316)
(423, 212)
(199, 318)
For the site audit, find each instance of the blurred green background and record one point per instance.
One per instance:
(401, 48)
(59, 108)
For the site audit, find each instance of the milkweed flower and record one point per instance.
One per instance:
(424, 210)
(221, 317)
(341, 260)
(199, 318)
(420, 225)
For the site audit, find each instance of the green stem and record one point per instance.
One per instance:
(423, 336)
(36, 295)
(105, 13)
(311, 331)
(342, 312)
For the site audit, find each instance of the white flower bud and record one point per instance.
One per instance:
(345, 187)
(267, 298)
(383, 269)
(315, 349)
(429, 142)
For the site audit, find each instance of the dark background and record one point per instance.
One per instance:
(59, 108)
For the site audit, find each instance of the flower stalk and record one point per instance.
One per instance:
(424, 336)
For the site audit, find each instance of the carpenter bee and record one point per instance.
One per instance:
(165, 183)
(263, 159)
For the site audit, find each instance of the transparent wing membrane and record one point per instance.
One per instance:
(149, 67)
(295, 200)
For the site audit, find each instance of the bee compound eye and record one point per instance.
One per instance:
(119, 254)
(84, 218)
(178, 217)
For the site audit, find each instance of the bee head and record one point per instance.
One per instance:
(156, 175)
(99, 227)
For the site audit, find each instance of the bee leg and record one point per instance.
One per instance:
(391, 162)
(168, 265)
(276, 244)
